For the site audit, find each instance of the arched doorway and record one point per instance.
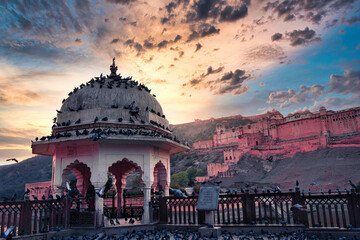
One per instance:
(120, 170)
(160, 177)
(77, 172)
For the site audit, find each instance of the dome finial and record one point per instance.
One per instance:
(113, 68)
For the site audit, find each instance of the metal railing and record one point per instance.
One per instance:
(318, 211)
(34, 216)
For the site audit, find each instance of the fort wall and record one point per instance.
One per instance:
(282, 137)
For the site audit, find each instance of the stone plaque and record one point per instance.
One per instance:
(208, 198)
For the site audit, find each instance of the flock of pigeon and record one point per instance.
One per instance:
(98, 133)
(166, 234)
(112, 81)
(115, 81)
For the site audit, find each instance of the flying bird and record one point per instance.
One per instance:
(12, 159)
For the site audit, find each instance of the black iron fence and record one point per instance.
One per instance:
(34, 216)
(320, 211)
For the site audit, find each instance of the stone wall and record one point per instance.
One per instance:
(283, 137)
(38, 189)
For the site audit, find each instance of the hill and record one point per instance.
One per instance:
(183, 161)
(328, 168)
(204, 129)
(13, 177)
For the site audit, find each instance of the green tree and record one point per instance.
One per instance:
(200, 172)
(191, 174)
(180, 178)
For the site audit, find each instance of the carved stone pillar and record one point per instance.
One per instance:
(147, 198)
(99, 209)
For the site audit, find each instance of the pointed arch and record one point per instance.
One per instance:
(82, 173)
(160, 176)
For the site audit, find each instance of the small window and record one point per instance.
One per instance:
(230, 157)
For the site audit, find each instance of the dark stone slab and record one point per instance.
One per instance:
(208, 198)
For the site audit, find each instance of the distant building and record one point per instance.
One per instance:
(275, 135)
(39, 189)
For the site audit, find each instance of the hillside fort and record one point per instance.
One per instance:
(273, 136)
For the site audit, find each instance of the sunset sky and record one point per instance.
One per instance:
(202, 58)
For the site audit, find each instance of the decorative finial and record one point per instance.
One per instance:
(113, 68)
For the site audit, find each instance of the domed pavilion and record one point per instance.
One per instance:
(110, 125)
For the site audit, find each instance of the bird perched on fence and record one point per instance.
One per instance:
(229, 191)
(277, 189)
(12, 159)
(177, 192)
(26, 192)
(35, 197)
(298, 207)
(13, 198)
(58, 197)
(352, 184)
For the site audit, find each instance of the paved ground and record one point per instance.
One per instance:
(165, 234)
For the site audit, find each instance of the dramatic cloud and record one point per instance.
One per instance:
(198, 46)
(203, 10)
(201, 47)
(202, 77)
(350, 21)
(32, 48)
(265, 52)
(276, 36)
(115, 40)
(177, 38)
(121, 1)
(349, 83)
(314, 10)
(286, 98)
(302, 37)
(15, 96)
(230, 14)
(203, 30)
(229, 83)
